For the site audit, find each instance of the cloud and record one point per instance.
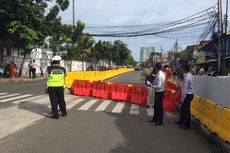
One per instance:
(133, 12)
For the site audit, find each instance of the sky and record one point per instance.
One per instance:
(137, 12)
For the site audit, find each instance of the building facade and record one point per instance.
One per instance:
(145, 52)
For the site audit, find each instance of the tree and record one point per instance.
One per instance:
(25, 23)
(81, 45)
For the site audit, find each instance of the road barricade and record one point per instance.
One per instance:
(207, 113)
(222, 124)
(120, 92)
(101, 89)
(168, 104)
(195, 107)
(81, 87)
(175, 96)
(138, 95)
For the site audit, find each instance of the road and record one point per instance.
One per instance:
(92, 125)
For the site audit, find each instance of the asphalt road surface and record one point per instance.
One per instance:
(92, 125)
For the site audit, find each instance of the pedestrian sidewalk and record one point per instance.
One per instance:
(21, 79)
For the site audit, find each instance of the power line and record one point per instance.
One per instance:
(195, 20)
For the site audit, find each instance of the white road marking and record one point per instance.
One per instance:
(10, 95)
(119, 107)
(14, 98)
(3, 93)
(103, 106)
(88, 104)
(73, 103)
(30, 98)
(134, 109)
(150, 111)
(14, 119)
(170, 114)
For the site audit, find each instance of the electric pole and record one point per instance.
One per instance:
(161, 53)
(73, 14)
(219, 50)
(73, 31)
(225, 30)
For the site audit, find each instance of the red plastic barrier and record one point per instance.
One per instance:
(168, 104)
(81, 87)
(175, 97)
(120, 92)
(101, 89)
(139, 95)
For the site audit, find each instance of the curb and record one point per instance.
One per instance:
(19, 80)
(218, 145)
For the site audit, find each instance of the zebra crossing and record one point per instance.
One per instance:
(72, 101)
(26, 109)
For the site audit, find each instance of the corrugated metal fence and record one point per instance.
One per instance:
(217, 89)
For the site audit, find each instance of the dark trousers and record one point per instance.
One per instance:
(185, 112)
(34, 73)
(158, 107)
(30, 71)
(56, 95)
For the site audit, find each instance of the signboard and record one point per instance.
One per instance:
(201, 57)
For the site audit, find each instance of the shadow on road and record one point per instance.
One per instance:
(145, 137)
(35, 108)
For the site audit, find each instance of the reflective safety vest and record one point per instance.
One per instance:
(56, 78)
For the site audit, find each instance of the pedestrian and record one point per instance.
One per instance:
(41, 70)
(12, 70)
(33, 69)
(159, 95)
(55, 84)
(149, 83)
(186, 98)
(5, 70)
(30, 68)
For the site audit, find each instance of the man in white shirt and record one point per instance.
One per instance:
(159, 95)
(186, 98)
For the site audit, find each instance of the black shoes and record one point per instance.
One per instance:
(158, 123)
(178, 122)
(54, 117)
(64, 114)
(181, 125)
(152, 121)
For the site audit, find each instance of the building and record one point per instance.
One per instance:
(41, 53)
(145, 52)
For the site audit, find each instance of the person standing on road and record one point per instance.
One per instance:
(186, 98)
(159, 95)
(151, 92)
(30, 68)
(33, 69)
(55, 82)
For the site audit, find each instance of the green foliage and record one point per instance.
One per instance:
(116, 52)
(25, 23)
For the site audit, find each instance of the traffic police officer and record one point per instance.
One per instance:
(55, 85)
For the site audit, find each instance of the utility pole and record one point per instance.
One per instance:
(73, 14)
(226, 19)
(219, 50)
(161, 53)
(224, 38)
(71, 60)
